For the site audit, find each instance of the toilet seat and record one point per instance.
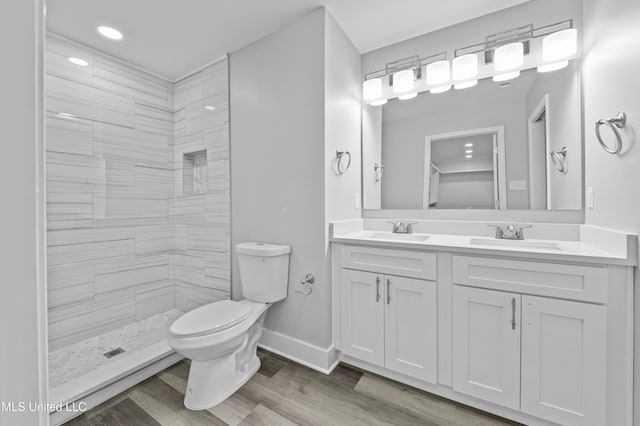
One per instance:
(210, 318)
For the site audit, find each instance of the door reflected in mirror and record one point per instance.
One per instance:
(513, 127)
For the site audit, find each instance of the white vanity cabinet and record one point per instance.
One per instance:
(542, 356)
(390, 320)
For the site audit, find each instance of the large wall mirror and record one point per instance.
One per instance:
(514, 145)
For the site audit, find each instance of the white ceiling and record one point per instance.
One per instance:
(172, 38)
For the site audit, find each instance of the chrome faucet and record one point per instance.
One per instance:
(510, 232)
(401, 227)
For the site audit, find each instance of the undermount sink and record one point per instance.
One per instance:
(545, 245)
(395, 237)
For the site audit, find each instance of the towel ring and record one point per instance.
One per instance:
(558, 158)
(614, 124)
(340, 154)
(378, 170)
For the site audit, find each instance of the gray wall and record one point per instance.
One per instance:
(284, 133)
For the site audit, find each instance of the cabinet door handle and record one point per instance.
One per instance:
(377, 289)
(388, 291)
(513, 313)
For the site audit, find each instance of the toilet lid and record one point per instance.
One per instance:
(210, 318)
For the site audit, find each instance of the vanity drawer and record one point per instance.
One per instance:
(576, 282)
(413, 264)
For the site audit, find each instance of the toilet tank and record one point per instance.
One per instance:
(264, 271)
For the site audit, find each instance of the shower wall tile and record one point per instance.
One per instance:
(83, 101)
(202, 259)
(69, 136)
(57, 63)
(130, 82)
(109, 181)
(124, 241)
(155, 301)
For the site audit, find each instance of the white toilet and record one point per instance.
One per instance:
(221, 338)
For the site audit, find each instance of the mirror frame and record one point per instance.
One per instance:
(485, 215)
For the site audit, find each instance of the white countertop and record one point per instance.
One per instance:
(594, 245)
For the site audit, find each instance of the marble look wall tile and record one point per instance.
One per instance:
(153, 180)
(154, 301)
(119, 142)
(69, 283)
(153, 120)
(189, 269)
(188, 90)
(216, 142)
(154, 239)
(130, 82)
(69, 136)
(80, 100)
(57, 62)
(189, 297)
(128, 273)
(206, 238)
(73, 323)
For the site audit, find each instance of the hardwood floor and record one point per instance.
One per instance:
(286, 393)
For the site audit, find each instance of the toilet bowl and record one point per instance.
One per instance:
(221, 338)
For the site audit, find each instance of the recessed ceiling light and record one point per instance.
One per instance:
(209, 107)
(78, 61)
(468, 145)
(468, 156)
(469, 151)
(110, 33)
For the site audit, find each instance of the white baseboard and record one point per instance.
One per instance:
(320, 359)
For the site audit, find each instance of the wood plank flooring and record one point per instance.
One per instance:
(285, 393)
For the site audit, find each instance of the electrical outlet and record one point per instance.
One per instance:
(590, 198)
(357, 200)
(517, 185)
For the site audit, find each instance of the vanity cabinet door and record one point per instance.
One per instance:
(486, 345)
(564, 361)
(411, 338)
(363, 315)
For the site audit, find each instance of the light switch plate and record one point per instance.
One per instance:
(517, 185)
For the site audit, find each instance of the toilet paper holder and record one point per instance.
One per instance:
(307, 283)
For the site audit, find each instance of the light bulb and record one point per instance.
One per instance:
(437, 72)
(559, 45)
(372, 89)
(508, 57)
(465, 67)
(403, 81)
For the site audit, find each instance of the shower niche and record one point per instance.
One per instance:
(195, 174)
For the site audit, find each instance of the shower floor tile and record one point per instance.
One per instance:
(81, 358)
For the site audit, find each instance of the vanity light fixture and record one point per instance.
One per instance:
(78, 61)
(109, 32)
(500, 56)
(557, 48)
(372, 89)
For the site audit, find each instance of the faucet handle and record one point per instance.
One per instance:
(499, 230)
(396, 225)
(408, 228)
(520, 232)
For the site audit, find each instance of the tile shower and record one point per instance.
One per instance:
(138, 209)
